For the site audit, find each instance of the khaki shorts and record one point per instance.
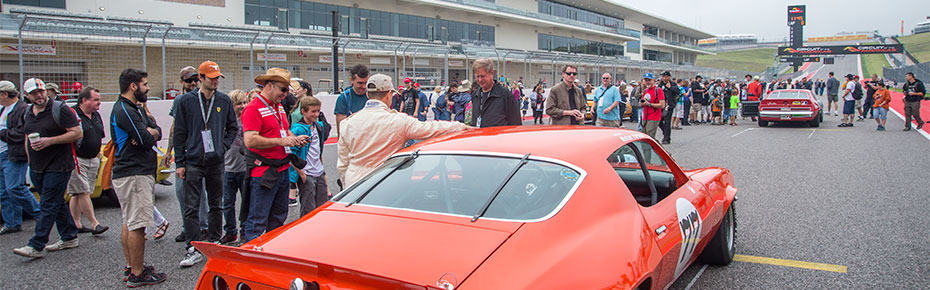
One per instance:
(607, 123)
(83, 180)
(696, 108)
(650, 128)
(135, 195)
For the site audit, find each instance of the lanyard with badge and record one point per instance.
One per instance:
(484, 106)
(287, 150)
(206, 134)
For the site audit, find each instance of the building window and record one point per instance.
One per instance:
(575, 13)
(318, 16)
(60, 4)
(549, 42)
(656, 55)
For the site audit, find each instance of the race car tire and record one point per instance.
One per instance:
(815, 122)
(763, 123)
(722, 247)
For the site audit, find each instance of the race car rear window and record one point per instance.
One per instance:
(463, 184)
(786, 95)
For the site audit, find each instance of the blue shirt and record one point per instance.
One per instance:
(603, 102)
(685, 93)
(350, 105)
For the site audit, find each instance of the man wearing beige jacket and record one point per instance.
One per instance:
(566, 103)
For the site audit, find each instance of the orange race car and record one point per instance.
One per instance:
(554, 207)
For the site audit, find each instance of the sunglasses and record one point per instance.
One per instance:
(192, 80)
(605, 78)
(283, 88)
(571, 73)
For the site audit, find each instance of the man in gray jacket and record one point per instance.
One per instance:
(566, 103)
(833, 94)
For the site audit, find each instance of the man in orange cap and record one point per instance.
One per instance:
(205, 127)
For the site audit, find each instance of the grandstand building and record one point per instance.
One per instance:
(433, 41)
(922, 27)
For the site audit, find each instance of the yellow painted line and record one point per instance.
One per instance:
(790, 263)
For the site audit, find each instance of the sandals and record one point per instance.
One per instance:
(160, 231)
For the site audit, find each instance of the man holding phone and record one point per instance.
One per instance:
(653, 101)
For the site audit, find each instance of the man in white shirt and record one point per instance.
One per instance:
(849, 102)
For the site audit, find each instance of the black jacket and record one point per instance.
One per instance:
(14, 134)
(495, 108)
(188, 123)
(917, 87)
(128, 124)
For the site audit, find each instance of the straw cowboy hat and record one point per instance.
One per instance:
(465, 86)
(274, 74)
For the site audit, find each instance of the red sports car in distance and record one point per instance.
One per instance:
(531, 207)
(790, 106)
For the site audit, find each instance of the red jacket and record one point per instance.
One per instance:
(755, 91)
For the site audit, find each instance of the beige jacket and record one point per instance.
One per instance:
(369, 137)
(557, 102)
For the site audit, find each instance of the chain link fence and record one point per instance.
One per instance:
(921, 71)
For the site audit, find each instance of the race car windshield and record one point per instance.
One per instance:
(787, 96)
(462, 184)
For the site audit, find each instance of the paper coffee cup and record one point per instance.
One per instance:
(34, 137)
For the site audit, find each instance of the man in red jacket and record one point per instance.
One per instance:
(754, 91)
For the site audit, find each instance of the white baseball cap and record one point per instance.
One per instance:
(33, 84)
(379, 83)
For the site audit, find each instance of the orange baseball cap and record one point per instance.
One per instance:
(210, 69)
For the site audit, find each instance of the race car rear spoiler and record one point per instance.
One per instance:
(252, 266)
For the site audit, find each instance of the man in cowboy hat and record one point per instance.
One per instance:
(53, 91)
(266, 135)
(205, 127)
(375, 133)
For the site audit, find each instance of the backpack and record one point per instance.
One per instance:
(857, 92)
(56, 115)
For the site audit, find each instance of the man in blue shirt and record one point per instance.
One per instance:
(423, 105)
(352, 99)
(608, 104)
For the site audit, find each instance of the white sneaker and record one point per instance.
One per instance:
(835, 114)
(192, 257)
(62, 245)
(29, 252)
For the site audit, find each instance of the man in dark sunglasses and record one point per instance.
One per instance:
(567, 102)
(189, 79)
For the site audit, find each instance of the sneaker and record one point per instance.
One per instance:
(666, 142)
(292, 202)
(10, 230)
(62, 245)
(229, 238)
(29, 252)
(192, 257)
(835, 114)
(841, 125)
(921, 126)
(907, 129)
(128, 271)
(148, 277)
(99, 229)
(849, 125)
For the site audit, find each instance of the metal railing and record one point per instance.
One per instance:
(545, 17)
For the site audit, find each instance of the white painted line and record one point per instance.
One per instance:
(741, 132)
(696, 276)
(812, 133)
(912, 125)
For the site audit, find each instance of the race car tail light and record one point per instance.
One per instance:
(219, 283)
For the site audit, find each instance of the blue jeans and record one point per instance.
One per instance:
(14, 195)
(53, 210)
(235, 182)
(268, 208)
(179, 193)
(441, 114)
(637, 115)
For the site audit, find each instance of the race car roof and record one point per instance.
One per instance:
(573, 144)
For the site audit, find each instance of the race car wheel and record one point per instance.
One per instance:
(815, 122)
(763, 123)
(722, 247)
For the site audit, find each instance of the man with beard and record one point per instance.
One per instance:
(49, 149)
(134, 169)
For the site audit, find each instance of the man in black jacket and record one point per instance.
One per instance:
(134, 169)
(492, 104)
(14, 194)
(671, 92)
(914, 92)
(205, 127)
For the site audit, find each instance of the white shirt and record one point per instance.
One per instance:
(851, 86)
(314, 167)
(3, 116)
(369, 137)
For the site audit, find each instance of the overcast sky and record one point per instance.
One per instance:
(768, 18)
